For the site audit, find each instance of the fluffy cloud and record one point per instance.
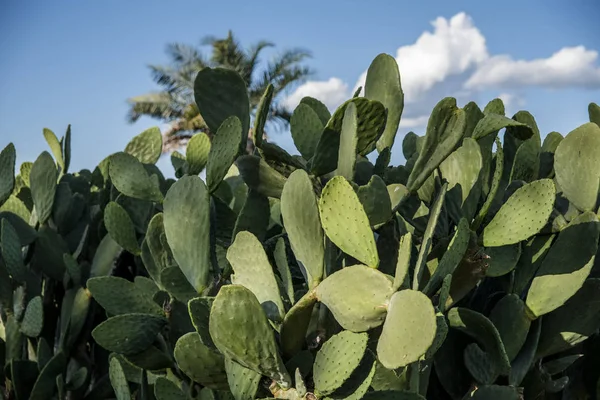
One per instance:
(453, 60)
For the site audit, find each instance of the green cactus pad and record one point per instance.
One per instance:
(254, 216)
(14, 207)
(120, 227)
(337, 359)
(43, 180)
(445, 129)
(187, 225)
(493, 122)
(451, 258)
(129, 177)
(241, 331)
(120, 296)
(346, 223)
(502, 259)
(196, 153)
(252, 269)
(403, 263)
(199, 362)
(483, 330)
(318, 107)
(118, 380)
(223, 151)
(221, 93)
(7, 171)
(10, 249)
(147, 146)
(383, 84)
(521, 365)
(348, 143)
(480, 365)
(262, 114)
(306, 128)
(594, 113)
(409, 144)
(523, 215)
(509, 316)
(296, 323)
(474, 115)
(48, 255)
(243, 382)
(566, 266)
(258, 175)
(577, 166)
(370, 293)
(166, 389)
(55, 147)
(376, 201)
(199, 310)
(462, 167)
(128, 334)
(33, 319)
(300, 215)
(408, 331)
(46, 380)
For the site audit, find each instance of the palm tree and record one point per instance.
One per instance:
(175, 103)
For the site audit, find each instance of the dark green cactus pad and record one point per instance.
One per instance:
(243, 382)
(493, 122)
(451, 258)
(254, 216)
(559, 365)
(474, 115)
(318, 107)
(445, 129)
(262, 114)
(532, 254)
(166, 389)
(408, 331)
(176, 283)
(392, 395)
(281, 262)
(337, 359)
(510, 318)
(23, 374)
(462, 167)
(55, 147)
(566, 266)
(223, 151)
(502, 259)
(594, 113)
(7, 171)
(104, 257)
(483, 330)
(33, 319)
(258, 175)
(179, 164)
(376, 201)
(10, 249)
(120, 296)
(523, 215)
(403, 262)
(252, 269)
(495, 392)
(151, 359)
(241, 331)
(409, 144)
(118, 380)
(200, 363)
(147, 146)
(120, 227)
(296, 323)
(384, 85)
(480, 365)
(306, 128)
(577, 166)
(300, 215)
(187, 227)
(366, 308)
(48, 256)
(551, 142)
(43, 180)
(129, 177)
(526, 164)
(221, 93)
(196, 153)
(46, 380)
(199, 310)
(440, 336)
(522, 363)
(348, 143)
(346, 223)
(128, 334)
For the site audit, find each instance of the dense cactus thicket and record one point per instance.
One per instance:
(468, 272)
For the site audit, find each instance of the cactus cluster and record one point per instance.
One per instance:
(468, 272)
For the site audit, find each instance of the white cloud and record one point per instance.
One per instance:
(453, 60)
(332, 93)
(568, 67)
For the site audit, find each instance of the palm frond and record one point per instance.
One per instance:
(155, 105)
(252, 59)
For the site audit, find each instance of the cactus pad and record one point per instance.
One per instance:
(120, 296)
(147, 146)
(7, 171)
(346, 223)
(223, 151)
(199, 362)
(306, 128)
(43, 179)
(509, 316)
(196, 153)
(523, 215)
(348, 143)
(120, 227)
(129, 177)
(366, 307)
(258, 175)
(243, 382)
(408, 331)
(128, 333)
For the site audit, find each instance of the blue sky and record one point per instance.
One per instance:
(76, 62)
